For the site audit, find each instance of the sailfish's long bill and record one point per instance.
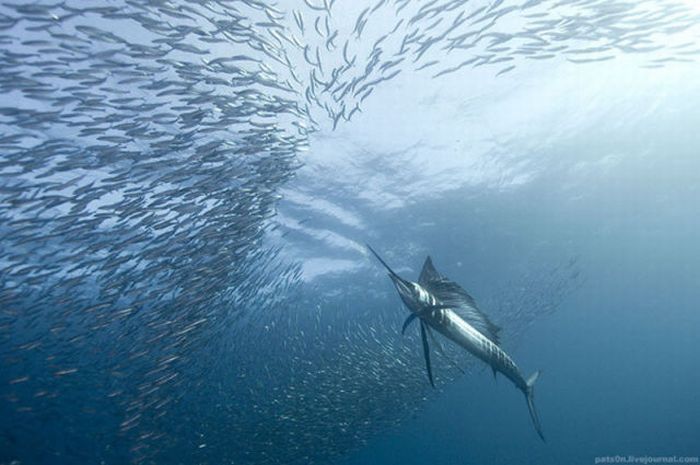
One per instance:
(443, 306)
(398, 280)
(402, 285)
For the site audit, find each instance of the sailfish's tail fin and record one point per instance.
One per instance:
(530, 396)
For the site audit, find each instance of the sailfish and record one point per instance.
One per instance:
(440, 304)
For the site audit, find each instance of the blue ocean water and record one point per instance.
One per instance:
(186, 191)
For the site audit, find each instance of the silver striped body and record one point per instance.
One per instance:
(452, 326)
(453, 313)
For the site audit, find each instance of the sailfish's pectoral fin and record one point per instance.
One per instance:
(432, 308)
(411, 318)
(408, 322)
(426, 353)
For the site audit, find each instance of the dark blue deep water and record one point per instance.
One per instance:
(187, 188)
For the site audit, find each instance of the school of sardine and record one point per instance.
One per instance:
(143, 145)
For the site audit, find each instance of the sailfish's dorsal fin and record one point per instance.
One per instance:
(450, 293)
(428, 273)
